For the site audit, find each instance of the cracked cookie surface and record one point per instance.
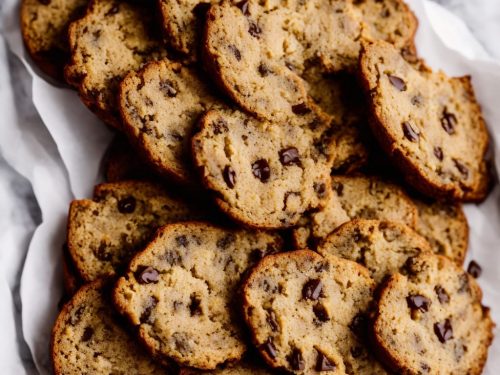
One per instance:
(86, 339)
(265, 174)
(106, 232)
(180, 293)
(430, 320)
(428, 123)
(306, 313)
(112, 39)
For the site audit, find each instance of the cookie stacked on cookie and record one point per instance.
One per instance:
(284, 192)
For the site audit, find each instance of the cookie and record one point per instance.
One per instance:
(180, 292)
(44, 27)
(112, 39)
(356, 198)
(86, 339)
(431, 321)
(383, 247)
(263, 174)
(245, 367)
(160, 106)
(445, 226)
(105, 233)
(121, 163)
(307, 313)
(439, 145)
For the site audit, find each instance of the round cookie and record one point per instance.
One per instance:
(431, 321)
(106, 232)
(44, 27)
(445, 226)
(112, 39)
(307, 313)
(180, 292)
(383, 247)
(160, 107)
(86, 339)
(265, 175)
(439, 145)
(356, 198)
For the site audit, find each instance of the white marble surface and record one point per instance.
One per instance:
(19, 212)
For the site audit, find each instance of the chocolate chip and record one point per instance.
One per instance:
(296, 360)
(88, 332)
(425, 367)
(443, 331)
(312, 289)
(463, 280)
(44, 2)
(301, 109)
(261, 170)
(338, 187)
(290, 66)
(464, 171)
(289, 156)
(236, 52)
(167, 88)
(127, 205)
(77, 316)
(359, 325)
(438, 153)
(254, 30)
(448, 122)
(417, 100)
(264, 70)
(243, 5)
(271, 320)
(319, 189)
(147, 275)
(409, 132)
(321, 313)
(474, 269)
(324, 364)
(443, 297)
(269, 348)
(182, 241)
(397, 82)
(229, 176)
(356, 352)
(226, 241)
(418, 302)
(220, 126)
(195, 305)
(146, 314)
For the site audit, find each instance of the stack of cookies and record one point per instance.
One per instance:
(284, 192)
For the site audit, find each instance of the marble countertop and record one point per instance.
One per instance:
(18, 207)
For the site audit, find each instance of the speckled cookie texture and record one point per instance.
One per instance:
(383, 247)
(105, 233)
(431, 321)
(160, 106)
(307, 313)
(445, 226)
(44, 26)
(112, 38)
(265, 175)
(180, 293)
(356, 198)
(86, 339)
(430, 124)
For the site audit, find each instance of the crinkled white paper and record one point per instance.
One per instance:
(61, 162)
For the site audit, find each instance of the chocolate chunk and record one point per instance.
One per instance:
(220, 126)
(296, 360)
(338, 188)
(254, 30)
(359, 325)
(324, 364)
(443, 297)
(147, 275)
(321, 313)
(167, 88)
(269, 348)
(182, 241)
(127, 205)
(271, 320)
(438, 153)
(264, 70)
(410, 133)
(464, 171)
(236, 52)
(243, 5)
(312, 289)
(226, 241)
(397, 82)
(146, 314)
(319, 189)
(229, 176)
(443, 331)
(448, 122)
(301, 109)
(418, 302)
(195, 305)
(474, 269)
(88, 332)
(289, 156)
(261, 170)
